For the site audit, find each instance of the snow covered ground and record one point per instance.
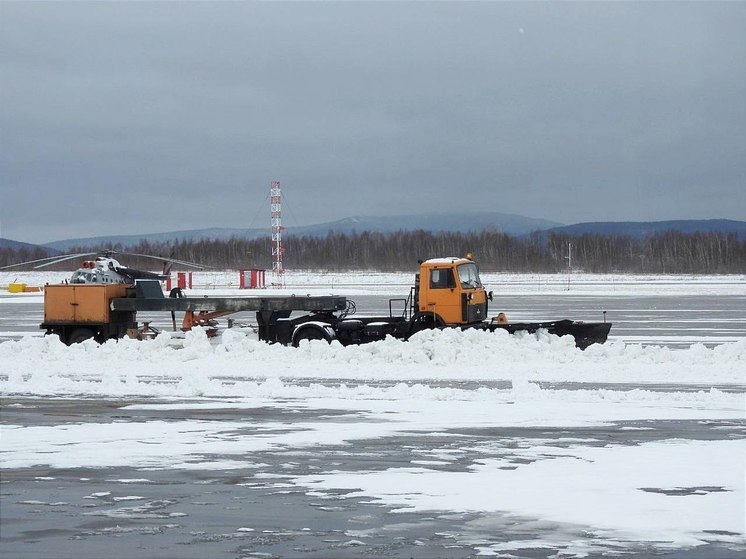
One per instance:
(628, 447)
(397, 283)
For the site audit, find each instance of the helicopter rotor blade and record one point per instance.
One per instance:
(68, 257)
(162, 258)
(192, 264)
(106, 253)
(54, 260)
(28, 262)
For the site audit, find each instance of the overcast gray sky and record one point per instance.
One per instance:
(119, 118)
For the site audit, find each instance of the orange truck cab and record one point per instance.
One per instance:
(450, 290)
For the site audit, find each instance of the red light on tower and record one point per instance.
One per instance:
(275, 205)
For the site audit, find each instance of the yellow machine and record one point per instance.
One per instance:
(450, 291)
(82, 304)
(76, 312)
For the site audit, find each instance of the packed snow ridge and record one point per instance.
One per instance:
(204, 367)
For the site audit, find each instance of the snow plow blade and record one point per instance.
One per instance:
(585, 333)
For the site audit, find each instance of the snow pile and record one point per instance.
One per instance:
(234, 365)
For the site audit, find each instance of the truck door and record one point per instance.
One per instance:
(442, 296)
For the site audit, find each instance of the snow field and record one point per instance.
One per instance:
(395, 388)
(658, 482)
(606, 488)
(397, 283)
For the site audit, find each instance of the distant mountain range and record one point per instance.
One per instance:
(512, 224)
(642, 229)
(18, 245)
(515, 225)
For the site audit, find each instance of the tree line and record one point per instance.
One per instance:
(671, 252)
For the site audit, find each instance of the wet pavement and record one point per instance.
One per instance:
(256, 511)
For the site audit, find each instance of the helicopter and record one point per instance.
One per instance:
(104, 269)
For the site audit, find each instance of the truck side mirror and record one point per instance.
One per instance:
(489, 296)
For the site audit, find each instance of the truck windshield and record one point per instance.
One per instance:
(468, 275)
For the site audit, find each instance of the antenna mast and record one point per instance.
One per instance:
(277, 249)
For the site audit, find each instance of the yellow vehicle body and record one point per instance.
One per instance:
(79, 303)
(450, 289)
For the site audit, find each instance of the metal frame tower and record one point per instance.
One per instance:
(277, 249)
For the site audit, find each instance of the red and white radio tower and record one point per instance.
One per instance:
(277, 248)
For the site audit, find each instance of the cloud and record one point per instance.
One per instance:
(144, 117)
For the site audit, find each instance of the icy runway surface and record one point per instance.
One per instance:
(453, 444)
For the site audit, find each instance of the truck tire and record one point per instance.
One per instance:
(309, 333)
(80, 335)
(424, 321)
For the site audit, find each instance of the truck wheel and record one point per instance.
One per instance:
(308, 334)
(80, 335)
(424, 321)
